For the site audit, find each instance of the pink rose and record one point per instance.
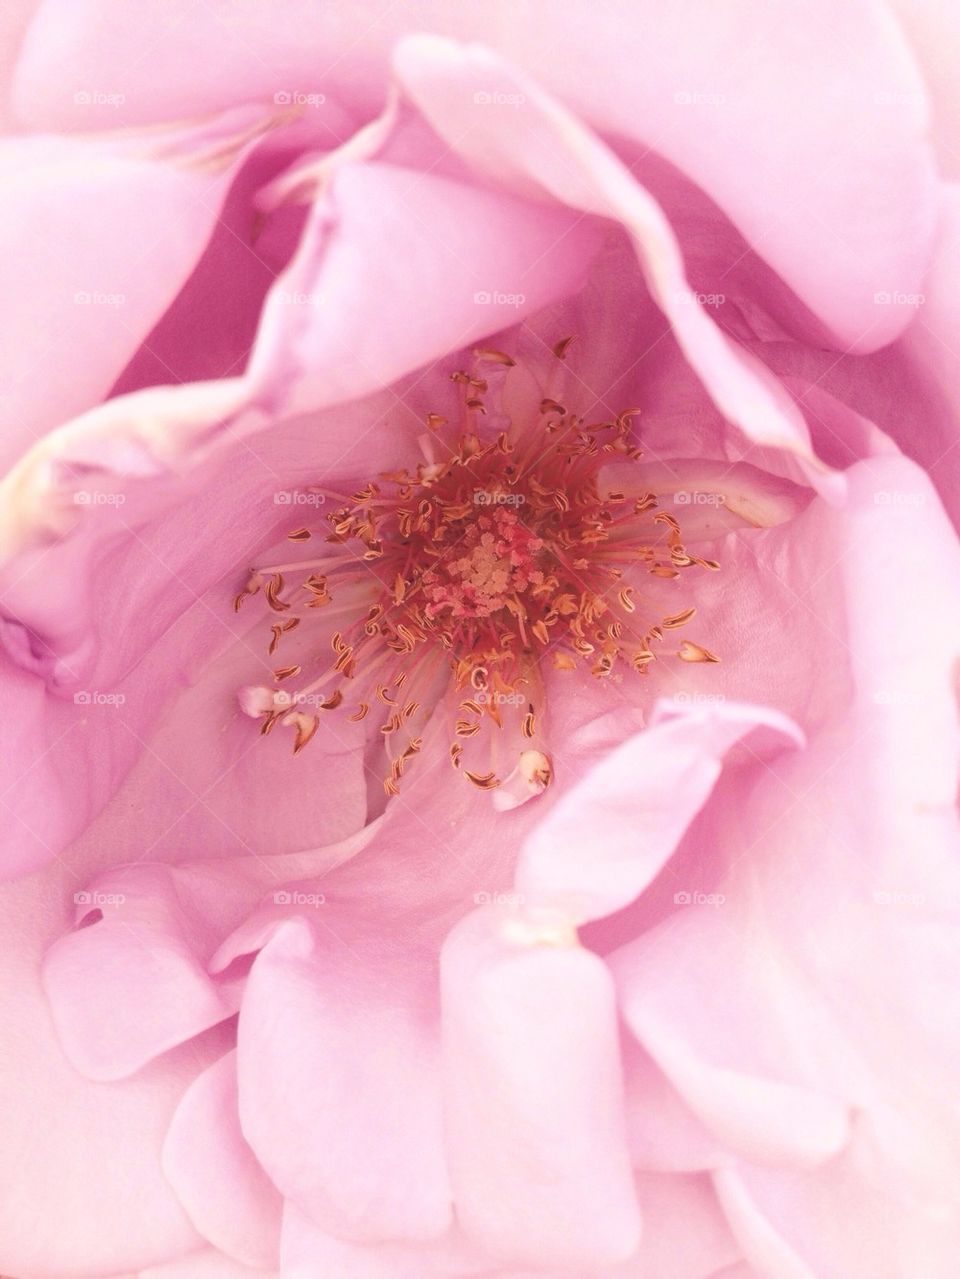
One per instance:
(479, 803)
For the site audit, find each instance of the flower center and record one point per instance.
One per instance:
(503, 549)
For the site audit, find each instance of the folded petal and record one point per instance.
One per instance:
(140, 952)
(643, 795)
(80, 1163)
(226, 1193)
(554, 154)
(339, 1080)
(534, 1097)
(838, 198)
(107, 231)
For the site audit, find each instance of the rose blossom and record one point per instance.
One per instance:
(587, 904)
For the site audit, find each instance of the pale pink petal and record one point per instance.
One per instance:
(107, 231)
(550, 152)
(838, 197)
(352, 314)
(226, 1193)
(685, 1234)
(534, 1100)
(643, 795)
(207, 1263)
(83, 1189)
(338, 1055)
(140, 952)
(307, 1251)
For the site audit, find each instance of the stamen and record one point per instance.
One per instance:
(501, 549)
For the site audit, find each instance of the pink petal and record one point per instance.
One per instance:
(226, 1193)
(838, 198)
(483, 259)
(534, 1117)
(207, 1263)
(685, 1233)
(553, 153)
(84, 1192)
(307, 1251)
(643, 795)
(107, 231)
(141, 954)
(339, 1081)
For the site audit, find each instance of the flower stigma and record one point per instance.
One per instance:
(501, 551)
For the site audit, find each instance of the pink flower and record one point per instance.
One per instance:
(587, 905)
